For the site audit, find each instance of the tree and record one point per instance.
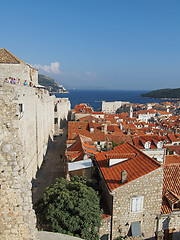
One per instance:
(114, 144)
(71, 207)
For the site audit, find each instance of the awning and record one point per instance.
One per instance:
(80, 165)
(136, 229)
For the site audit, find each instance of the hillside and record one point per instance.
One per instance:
(163, 93)
(50, 84)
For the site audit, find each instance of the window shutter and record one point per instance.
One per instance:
(136, 204)
(133, 204)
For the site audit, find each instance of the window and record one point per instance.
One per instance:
(55, 108)
(137, 204)
(21, 108)
(176, 206)
(56, 121)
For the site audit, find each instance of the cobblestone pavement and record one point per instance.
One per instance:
(53, 167)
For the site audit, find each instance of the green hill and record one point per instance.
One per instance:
(50, 84)
(163, 93)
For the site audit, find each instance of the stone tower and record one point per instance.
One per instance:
(131, 111)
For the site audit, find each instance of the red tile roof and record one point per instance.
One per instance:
(172, 159)
(171, 182)
(83, 108)
(153, 139)
(118, 138)
(175, 148)
(136, 166)
(174, 137)
(75, 128)
(81, 147)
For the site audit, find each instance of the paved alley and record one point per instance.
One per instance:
(52, 168)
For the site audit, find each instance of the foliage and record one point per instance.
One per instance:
(71, 207)
(114, 144)
(163, 93)
(171, 152)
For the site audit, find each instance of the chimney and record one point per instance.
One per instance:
(105, 128)
(91, 130)
(123, 176)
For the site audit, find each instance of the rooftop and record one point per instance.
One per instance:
(136, 165)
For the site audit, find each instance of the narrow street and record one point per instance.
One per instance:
(52, 168)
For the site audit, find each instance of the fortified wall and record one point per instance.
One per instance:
(111, 107)
(27, 127)
(26, 130)
(17, 218)
(11, 66)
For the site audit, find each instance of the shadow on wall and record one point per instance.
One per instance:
(50, 141)
(63, 123)
(105, 237)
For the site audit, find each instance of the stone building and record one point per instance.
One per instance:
(11, 66)
(152, 145)
(26, 132)
(62, 108)
(131, 184)
(168, 222)
(111, 107)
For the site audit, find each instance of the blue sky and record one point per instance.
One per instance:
(115, 44)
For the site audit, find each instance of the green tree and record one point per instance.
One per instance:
(71, 207)
(114, 144)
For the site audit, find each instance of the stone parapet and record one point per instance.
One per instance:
(17, 218)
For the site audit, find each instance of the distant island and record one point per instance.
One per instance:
(167, 93)
(50, 84)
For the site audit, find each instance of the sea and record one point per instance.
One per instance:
(94, 98)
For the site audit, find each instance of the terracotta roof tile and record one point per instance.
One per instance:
(135, 167)
(172, 159)
(9, 58)
(175, 148)
(75, 128)
(171, 182)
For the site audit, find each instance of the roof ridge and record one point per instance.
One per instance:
(174, 194)
(12, 55)
(153, 160)
(16, 58)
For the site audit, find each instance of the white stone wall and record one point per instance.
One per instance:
(62, 110)
(36, 125)
(159, 154)
(26, 130)
(19, 71)
(17, 218)
(111, 107)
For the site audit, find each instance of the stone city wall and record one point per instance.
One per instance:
(17, 218)
(36, 124)
(111, 107)
(18, 71)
